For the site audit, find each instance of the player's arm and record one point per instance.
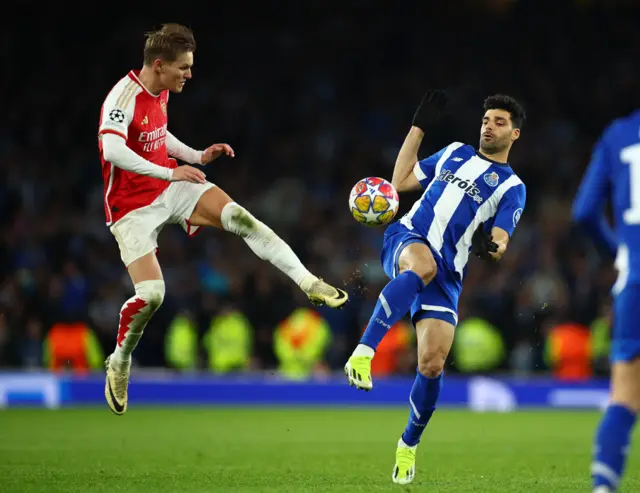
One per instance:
(501, 238)
(409, 174)
(115, 150)
(181, 151)
(491, 244)
(405, 178)
(588, 206)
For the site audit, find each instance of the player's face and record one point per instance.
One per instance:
(497, 132)
(174, 75)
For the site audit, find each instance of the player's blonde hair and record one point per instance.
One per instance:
(168, 42)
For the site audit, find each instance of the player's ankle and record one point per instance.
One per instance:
(120, 360)
(307, 281)
(403, 444)
(364, 350)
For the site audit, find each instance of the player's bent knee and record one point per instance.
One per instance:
(435, 338)
(625, 384)
(431, 365)
(152, 292)
(417, 258)
(238, 220)
(208, 210)
(426, 271)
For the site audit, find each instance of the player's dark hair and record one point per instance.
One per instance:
(506, 103)
(167, 43)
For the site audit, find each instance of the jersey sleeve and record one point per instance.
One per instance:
(116, 151)
(589, 204)
(177, 149)
(510, 208)
(426, 169)
(118, 109)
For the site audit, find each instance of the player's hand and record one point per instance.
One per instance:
(188, 173)
(213, 152)
(430, 110)
(482, 244)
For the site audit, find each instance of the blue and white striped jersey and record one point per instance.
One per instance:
(462, 190)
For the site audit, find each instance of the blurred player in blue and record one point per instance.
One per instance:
(614, 173)
(472, 201)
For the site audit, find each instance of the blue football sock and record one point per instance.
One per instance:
(393, 304)
(422, 401)
(612, 442)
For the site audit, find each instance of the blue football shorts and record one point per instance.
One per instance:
(439, 299)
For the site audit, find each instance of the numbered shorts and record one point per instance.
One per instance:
(439, 298)
(137, 232)
(625, 343)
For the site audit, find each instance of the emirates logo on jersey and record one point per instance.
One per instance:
(163, 107)
(153, 140)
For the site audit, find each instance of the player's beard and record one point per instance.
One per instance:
(495, 146)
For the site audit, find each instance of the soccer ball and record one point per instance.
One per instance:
(373, 201)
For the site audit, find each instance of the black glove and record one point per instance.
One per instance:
(430, 110)
(482, 244)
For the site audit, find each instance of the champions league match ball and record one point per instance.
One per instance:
(373, 201)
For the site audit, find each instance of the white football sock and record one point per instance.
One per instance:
(363, 350)
(401, 444)
(134, 316)
(265, 243)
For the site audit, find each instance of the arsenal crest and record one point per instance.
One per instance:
(163, 106)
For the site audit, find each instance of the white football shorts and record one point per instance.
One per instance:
(137, 232)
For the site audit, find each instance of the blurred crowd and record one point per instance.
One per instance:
(312, 100)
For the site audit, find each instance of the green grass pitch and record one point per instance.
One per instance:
(293, 450)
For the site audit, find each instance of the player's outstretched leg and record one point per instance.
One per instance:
(269, 246)
(134, 316)
(215, 208)
(416, 268)
(616, 426)
(434, 342)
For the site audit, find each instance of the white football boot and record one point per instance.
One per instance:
(116, 386)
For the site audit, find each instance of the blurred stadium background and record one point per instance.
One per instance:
(312, 97)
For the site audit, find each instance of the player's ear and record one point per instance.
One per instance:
(158, 65)
(515, 134)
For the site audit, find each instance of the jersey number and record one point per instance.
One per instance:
(631, 156)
